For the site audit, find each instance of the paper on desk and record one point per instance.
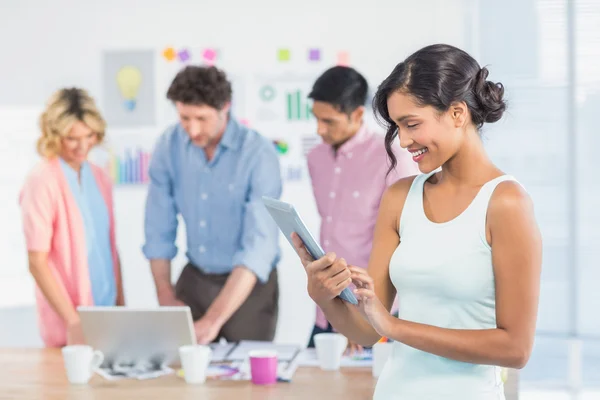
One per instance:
(220, 351)
(308, 358)
(240, 371)
(285, 352)
(219, 371)
(133, 372)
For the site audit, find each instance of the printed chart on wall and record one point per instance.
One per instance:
(282, 111)
(272, 99)
(126, 157)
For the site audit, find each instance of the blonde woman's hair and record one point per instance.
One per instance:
(64, 108)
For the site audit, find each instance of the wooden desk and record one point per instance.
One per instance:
(39, 374)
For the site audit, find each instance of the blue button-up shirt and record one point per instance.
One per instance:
(220, 201)
(94, 213)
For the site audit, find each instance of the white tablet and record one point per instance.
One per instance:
(129, 336)
(289, 221)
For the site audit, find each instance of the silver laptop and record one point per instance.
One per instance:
(129, 336)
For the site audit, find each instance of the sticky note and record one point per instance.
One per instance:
(184, 55)
(343, 58)
(209, 54)
(314, 55)
(169, 54)
(244, 122)
(283, 55)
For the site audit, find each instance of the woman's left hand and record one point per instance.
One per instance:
(369, 304)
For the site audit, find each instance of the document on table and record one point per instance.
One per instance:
(285, 352)
(230, 360)
(135, 371)
(220, 351)
(308, 358)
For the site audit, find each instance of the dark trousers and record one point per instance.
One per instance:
(256, 319)
(316, 331)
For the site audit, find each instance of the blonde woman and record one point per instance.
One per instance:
(68, 220)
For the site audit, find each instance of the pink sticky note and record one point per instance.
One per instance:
(245, 122)
(209, 56)
(343, 58)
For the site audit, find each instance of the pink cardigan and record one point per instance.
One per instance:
(52, 223)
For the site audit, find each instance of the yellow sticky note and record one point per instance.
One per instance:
(283, 55)
(180, 373)
(169, 54)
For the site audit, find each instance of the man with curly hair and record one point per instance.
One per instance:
(213, 171)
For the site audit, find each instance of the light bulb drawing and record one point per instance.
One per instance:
(129, 79)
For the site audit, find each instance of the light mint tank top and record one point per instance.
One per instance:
(444, 277)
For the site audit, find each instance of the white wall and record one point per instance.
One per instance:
(59, 43)
(52, 44)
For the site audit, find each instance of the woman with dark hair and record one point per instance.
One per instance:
(458, 243)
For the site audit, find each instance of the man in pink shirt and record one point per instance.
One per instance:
(349, 170)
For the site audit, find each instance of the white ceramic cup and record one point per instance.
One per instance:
(381, 353)
(194, 361)
(330, 348)
(80, 362)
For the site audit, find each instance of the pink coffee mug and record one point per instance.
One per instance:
(263, 367)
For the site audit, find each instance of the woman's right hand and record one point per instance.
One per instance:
(75, 334)
(327, 276)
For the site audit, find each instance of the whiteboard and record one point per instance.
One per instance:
(19, 130)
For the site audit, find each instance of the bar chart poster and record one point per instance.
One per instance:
(282, 99)
(129, 167)
(297, 106)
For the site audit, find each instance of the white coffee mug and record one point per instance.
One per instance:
(381, 353)
(330, 348)
(194, 361)
(80, 362)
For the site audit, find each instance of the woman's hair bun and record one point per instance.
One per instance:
(490, 97)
